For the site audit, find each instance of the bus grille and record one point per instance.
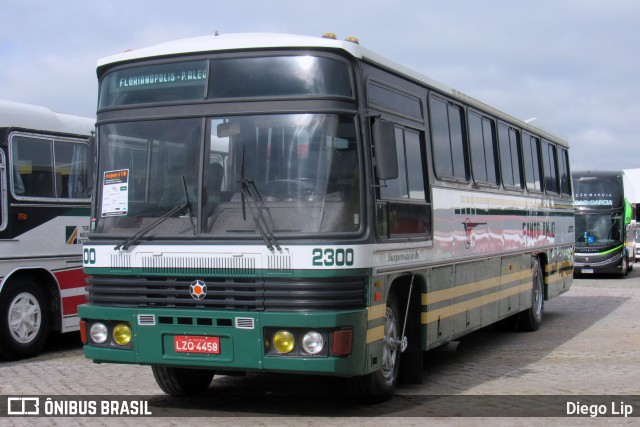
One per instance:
(230, 294)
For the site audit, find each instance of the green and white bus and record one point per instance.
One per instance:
(604, 232)
(294, 204)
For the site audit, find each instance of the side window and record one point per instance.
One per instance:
(531, 157)
(397, 188)
(449, 154)
(71, 174)
(32, 160)
(48, 168)
(565, 175)
(3, 193)
(483, 153)
(510, 154)
(403, 208)
(394, 101)
(410, 181)
(550, 165)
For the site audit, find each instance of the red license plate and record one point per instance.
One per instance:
(196, 344)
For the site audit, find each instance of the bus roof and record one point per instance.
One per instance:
(232, 42)
(27, 116)
(252, 41)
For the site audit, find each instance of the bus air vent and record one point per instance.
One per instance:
(244, 323)
(146, 320)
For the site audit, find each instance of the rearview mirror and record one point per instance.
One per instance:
(384, 144)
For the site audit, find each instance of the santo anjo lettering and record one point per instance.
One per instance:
(159, 78)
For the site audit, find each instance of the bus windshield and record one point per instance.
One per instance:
(599, 229)
(302, 170)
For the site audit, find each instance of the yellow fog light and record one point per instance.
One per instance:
(283, 341)
(122, 334)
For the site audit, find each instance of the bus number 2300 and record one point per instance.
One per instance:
(330, 257)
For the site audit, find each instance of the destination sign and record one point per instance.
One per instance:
(594, 199)
(162, 79)
(155, 83)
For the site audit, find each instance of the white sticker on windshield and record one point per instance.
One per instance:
(115, 193)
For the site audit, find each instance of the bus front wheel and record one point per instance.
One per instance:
(182, 381)
(624, 266)
(380, 385)
(24, 319)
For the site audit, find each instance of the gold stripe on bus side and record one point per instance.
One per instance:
(481, 285)
(552, 278)
(376, 312)
(375, 334)
(561, 265)
(568, 264)
(564, 269)
(461, 307)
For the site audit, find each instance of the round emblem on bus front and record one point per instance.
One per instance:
(198, 290)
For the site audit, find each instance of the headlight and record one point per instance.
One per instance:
(99, 333)
(283, 341)
(122, 334)
(312, 342)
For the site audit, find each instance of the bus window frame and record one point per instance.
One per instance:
(387, 203)
(519, 155)
(525, 166)
(3, 192)
(52, 138)
(548, 148)
(465, 143)
(373, 102)
(564, 162)
(496, 158)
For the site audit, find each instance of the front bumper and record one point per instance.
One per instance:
(241, 336)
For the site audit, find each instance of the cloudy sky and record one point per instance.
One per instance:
(572, 64)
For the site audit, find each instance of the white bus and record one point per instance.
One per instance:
(296, 204)
(44, 217)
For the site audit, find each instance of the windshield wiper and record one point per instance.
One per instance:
(187, 204)
(132, 240)
(264, 223)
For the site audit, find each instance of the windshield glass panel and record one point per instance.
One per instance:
(144, 167)
(279, 76)
(596, 229)
(303, 168)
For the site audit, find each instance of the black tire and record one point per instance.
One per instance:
(182, 381)
(531, 319)
(380, 385)
(624, 267)
(25, 319)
